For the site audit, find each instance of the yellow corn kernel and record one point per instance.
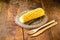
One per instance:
(33, 14)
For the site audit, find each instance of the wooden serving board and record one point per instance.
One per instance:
(10, 31)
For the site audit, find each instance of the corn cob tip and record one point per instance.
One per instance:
(21, 20)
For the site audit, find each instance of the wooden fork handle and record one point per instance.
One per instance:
(42, 30)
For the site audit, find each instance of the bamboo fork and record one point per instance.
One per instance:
(42, 30)
(35, 30)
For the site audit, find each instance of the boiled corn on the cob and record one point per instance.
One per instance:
(33, 14)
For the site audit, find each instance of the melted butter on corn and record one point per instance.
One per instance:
(33, 14)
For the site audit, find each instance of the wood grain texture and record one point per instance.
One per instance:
(3, 15)
(15, 31)
(52, 8)
(10, 31)
(43, 36)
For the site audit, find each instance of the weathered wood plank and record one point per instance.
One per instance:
(15, 32)
(52, 8)
(8, 29)
(3, 15)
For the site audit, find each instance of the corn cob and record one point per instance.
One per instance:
(33, 14)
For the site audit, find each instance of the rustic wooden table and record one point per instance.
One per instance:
(10, 31)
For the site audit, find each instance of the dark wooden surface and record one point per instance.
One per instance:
(53, 11)
(10, 31)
